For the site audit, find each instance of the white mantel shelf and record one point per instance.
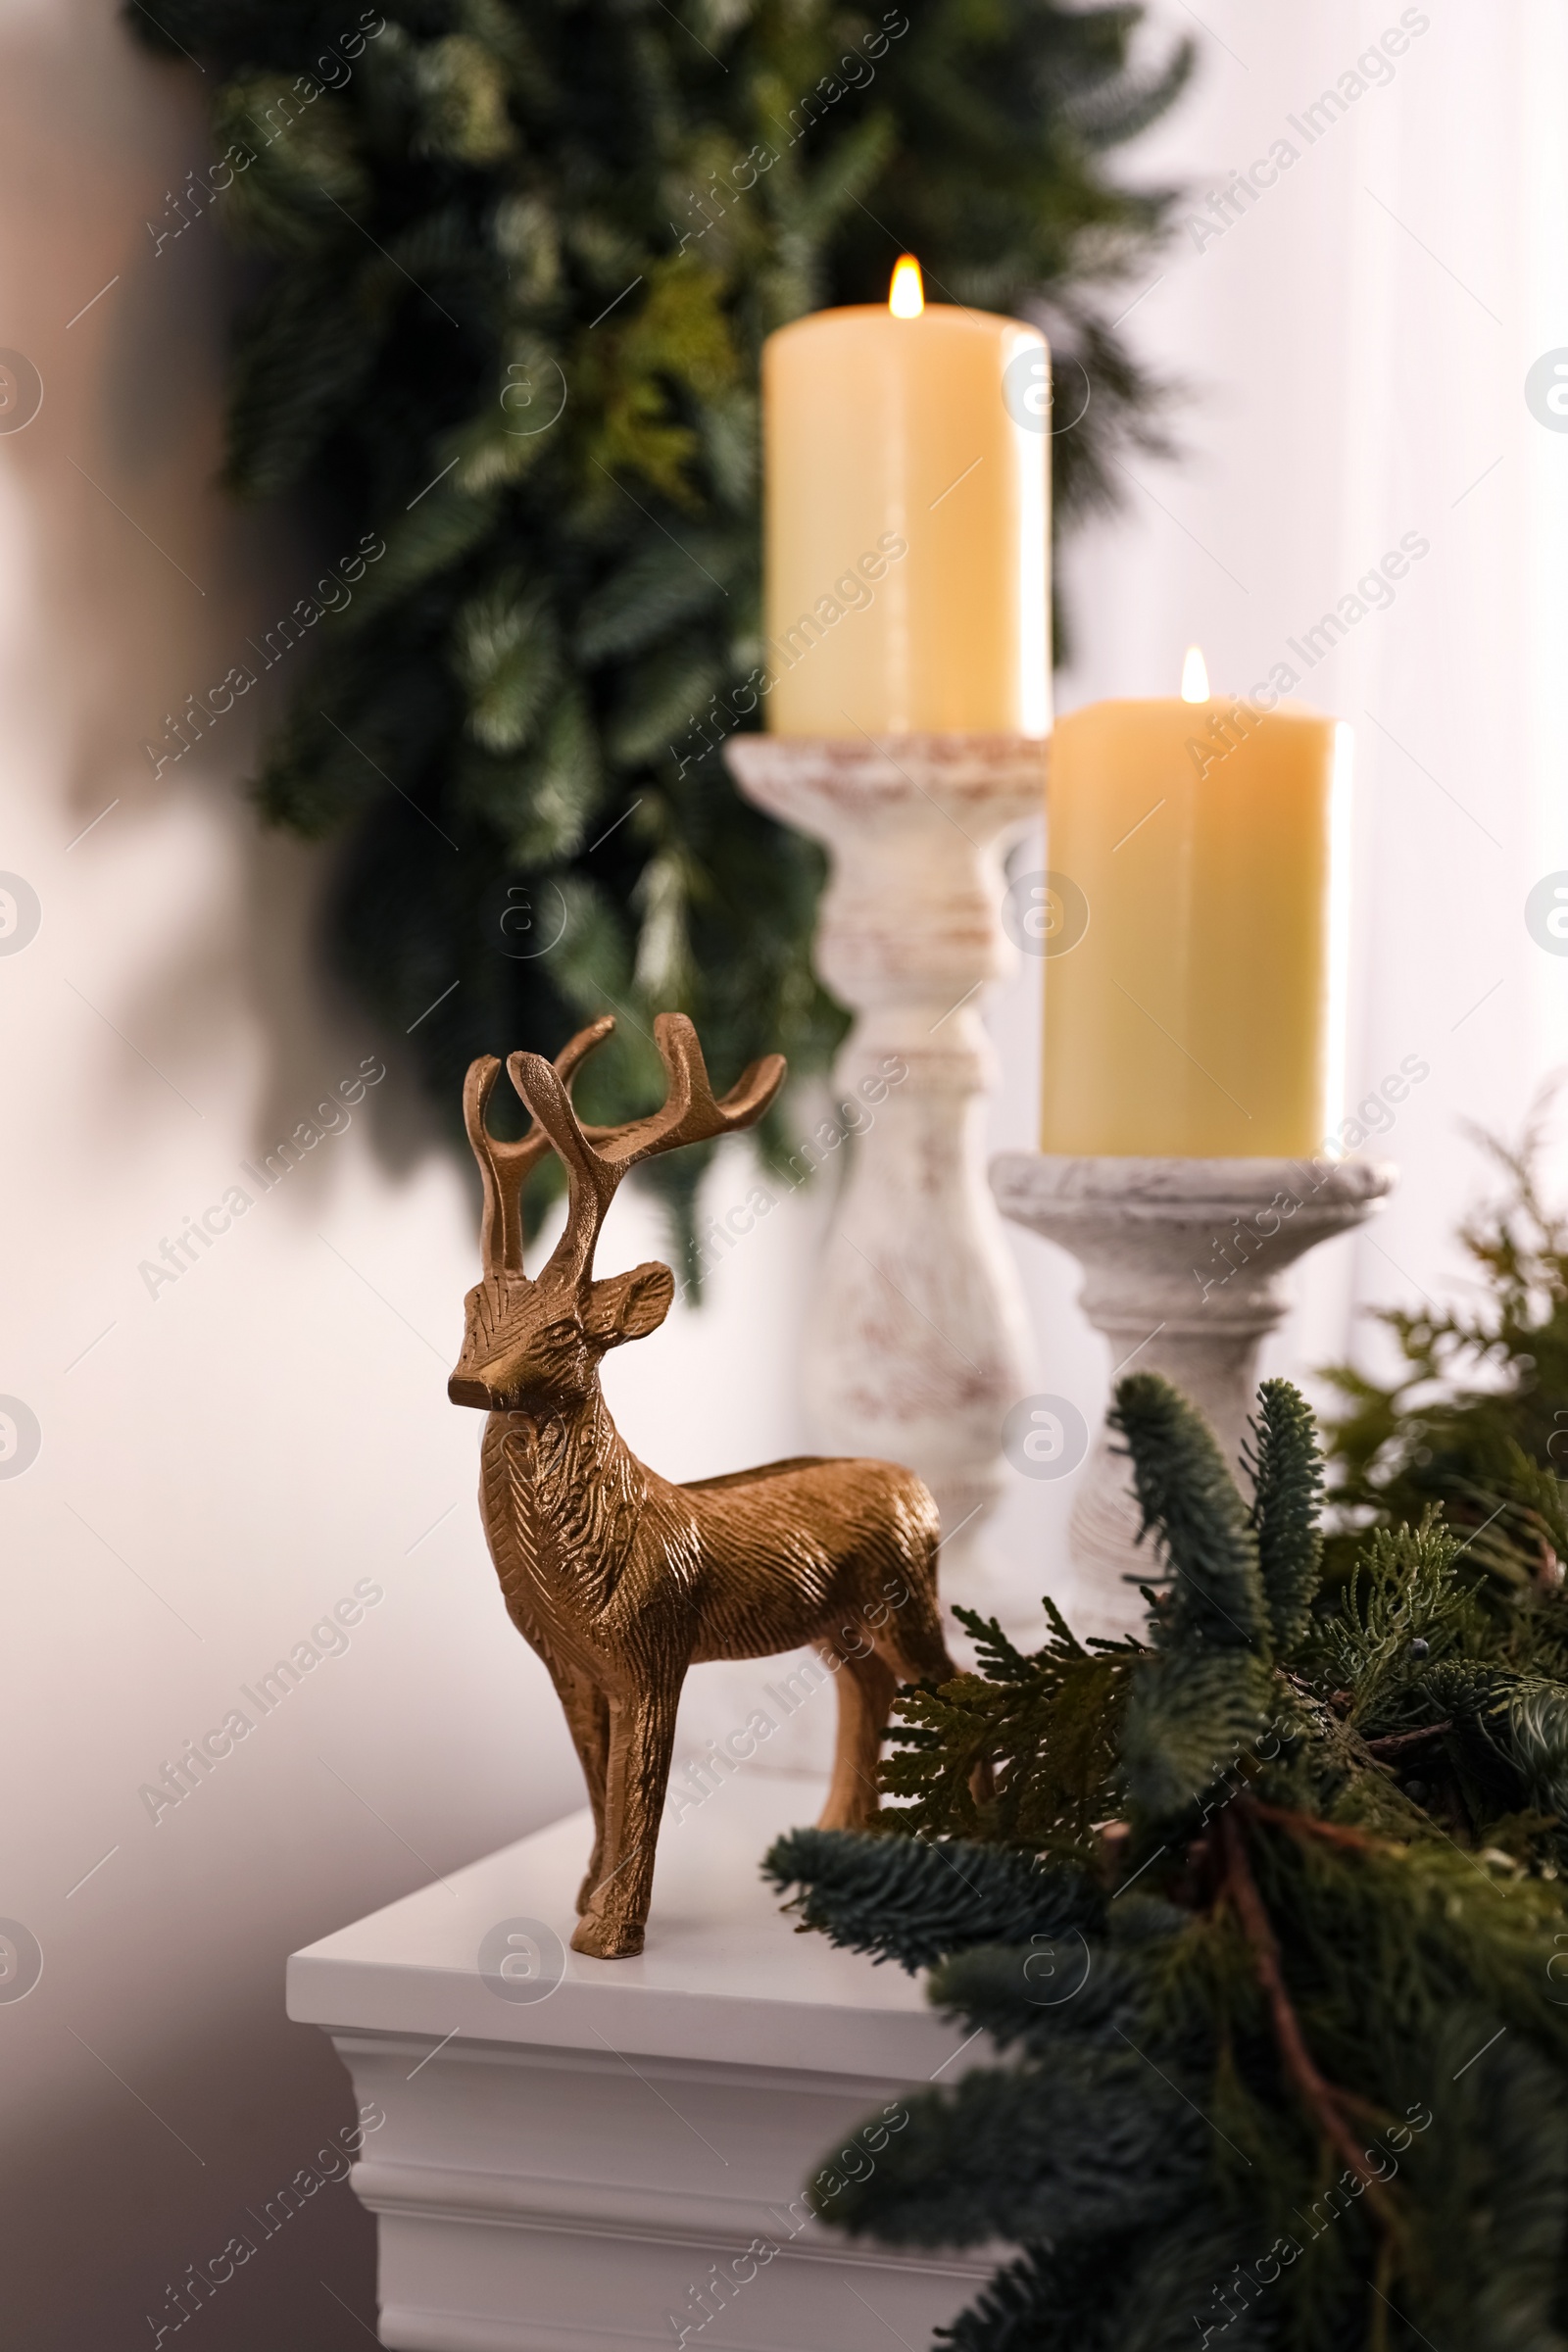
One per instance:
(562, 2175)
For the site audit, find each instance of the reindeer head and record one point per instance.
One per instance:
(534, 1345)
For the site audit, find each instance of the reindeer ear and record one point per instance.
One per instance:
(628, 1306)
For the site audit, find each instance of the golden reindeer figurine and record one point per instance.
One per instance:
(618, 1579)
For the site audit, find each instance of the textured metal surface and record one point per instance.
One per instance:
(618, 1579)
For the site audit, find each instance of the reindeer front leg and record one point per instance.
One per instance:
(587, 1713)
(642, 1735)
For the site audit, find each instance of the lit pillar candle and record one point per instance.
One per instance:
(906, 452)
(1193, 929)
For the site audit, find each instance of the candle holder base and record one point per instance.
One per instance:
(1185, 1265)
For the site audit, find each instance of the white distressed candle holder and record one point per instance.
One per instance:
(917, 1344)
(1185, 1265)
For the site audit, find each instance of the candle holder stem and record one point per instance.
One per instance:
(1185, 1265)
(918, 1345)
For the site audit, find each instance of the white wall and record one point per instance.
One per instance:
(1354, 347)
(221, 1463)
(223, 1459)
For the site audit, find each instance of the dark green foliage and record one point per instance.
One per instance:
(1287, 1496)
(1205, 1693)
(1475, 1421)
(490, 206)
(1076, 2299)
(944, 1896)
(1488, 2223)
(1292, 2072)
(1204, 1535)
(1030, 2154)
(1186, 1719)
(1049, 1720)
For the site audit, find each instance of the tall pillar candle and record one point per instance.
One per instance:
(1194, 919)
(905, 458)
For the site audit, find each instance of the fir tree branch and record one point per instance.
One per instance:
(1415, 1966)
(1286, 1472)
(1188, 1497)
(917, 1899)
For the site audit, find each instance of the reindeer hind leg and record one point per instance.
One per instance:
(916, 1650)
(911, 1639)
(866, 1685)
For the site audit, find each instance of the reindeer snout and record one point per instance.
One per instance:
(463, 1389)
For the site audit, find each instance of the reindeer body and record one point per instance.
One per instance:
(618, 1579)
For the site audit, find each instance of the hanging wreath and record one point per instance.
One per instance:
(521, 256)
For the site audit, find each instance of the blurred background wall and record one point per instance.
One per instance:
(225, 1455)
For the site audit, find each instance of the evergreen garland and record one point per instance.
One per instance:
(1267, 1923)
(476, 210)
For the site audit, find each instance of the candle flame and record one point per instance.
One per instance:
(1194, 676)
(906, 294)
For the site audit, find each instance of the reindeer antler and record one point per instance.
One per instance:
(503, 1167)
(596, 1160)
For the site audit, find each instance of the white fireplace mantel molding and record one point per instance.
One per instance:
(620, 2160)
